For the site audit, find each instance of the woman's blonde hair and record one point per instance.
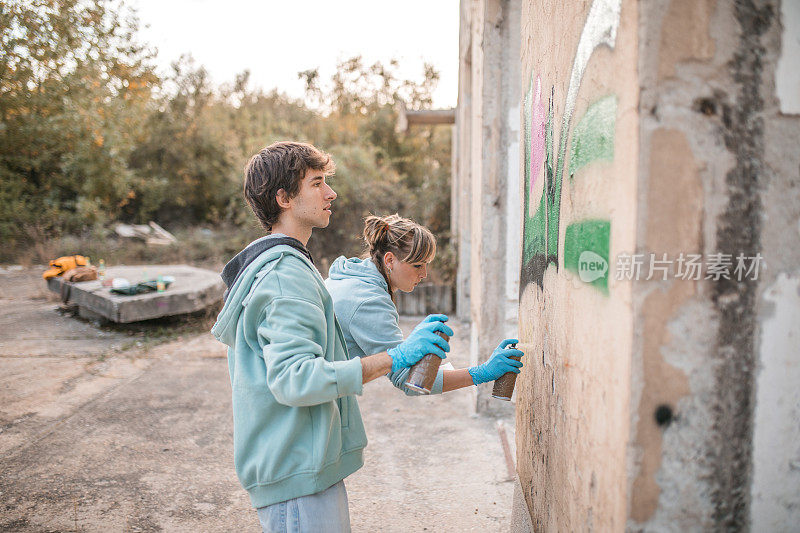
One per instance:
(408, 241)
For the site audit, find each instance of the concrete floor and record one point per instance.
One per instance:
(99, 434)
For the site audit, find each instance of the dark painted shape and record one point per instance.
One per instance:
(706, 106)
(664, 415)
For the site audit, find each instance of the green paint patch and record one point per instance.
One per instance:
(593, 137)
(535, 232)
(586, 249)
(586, 243)
(552, 183)
(540, 230)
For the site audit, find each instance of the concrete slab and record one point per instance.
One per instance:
(194, 289)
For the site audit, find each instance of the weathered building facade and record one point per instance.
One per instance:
(626, 199)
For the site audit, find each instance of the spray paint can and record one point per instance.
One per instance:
(504, 385)
(423, 373)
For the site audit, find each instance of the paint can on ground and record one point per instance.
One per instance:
(504, 385)
(423, 373)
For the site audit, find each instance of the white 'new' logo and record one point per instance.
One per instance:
(591, 266)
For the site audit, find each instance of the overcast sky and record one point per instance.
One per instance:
(276, 39)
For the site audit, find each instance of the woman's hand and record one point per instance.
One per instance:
(422, 341)
(433, 318)
(498, 364)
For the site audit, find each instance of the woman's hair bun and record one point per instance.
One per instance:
(375, 230)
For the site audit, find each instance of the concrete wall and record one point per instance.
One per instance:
(486, 178)
(667, 399)
(461, 161)
(713, 360)
(578, 194)
(775, 489)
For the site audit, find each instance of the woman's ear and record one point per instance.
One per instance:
(282, 198)
(388, 261)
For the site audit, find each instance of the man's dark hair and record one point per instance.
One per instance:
(281, 165)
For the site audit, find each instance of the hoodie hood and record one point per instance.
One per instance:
(238, 264)
(360, 269)
(251, 268)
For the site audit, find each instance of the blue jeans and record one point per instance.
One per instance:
(323, 512)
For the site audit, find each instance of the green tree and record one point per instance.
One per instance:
(73, 84)
(408, 173)
(89, 134)
(184, 174)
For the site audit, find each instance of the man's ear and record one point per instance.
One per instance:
(282, 198)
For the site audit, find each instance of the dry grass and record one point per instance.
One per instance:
(199, 246)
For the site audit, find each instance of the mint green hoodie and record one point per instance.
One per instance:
(297, 428)
(367, 314)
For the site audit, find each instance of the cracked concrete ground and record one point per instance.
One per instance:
(99, 434)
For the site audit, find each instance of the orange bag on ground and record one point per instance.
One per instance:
(62, 264)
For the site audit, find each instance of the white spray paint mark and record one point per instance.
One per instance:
(776, 440)
(787, 75)
(600, 28)
(513, 226)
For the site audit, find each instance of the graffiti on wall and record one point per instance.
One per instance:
(586, 242)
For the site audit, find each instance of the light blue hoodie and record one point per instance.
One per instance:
(297, 428)
(368, 316)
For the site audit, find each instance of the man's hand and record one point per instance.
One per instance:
(422, 341)
(498, 364)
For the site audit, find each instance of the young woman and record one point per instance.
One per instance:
(397, 257)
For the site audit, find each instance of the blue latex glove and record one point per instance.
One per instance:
(422, 341)
(498, 364)
(433, 318)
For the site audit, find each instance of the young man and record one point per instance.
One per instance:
(297, 428)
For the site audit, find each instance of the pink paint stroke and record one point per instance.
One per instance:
(537, 133)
